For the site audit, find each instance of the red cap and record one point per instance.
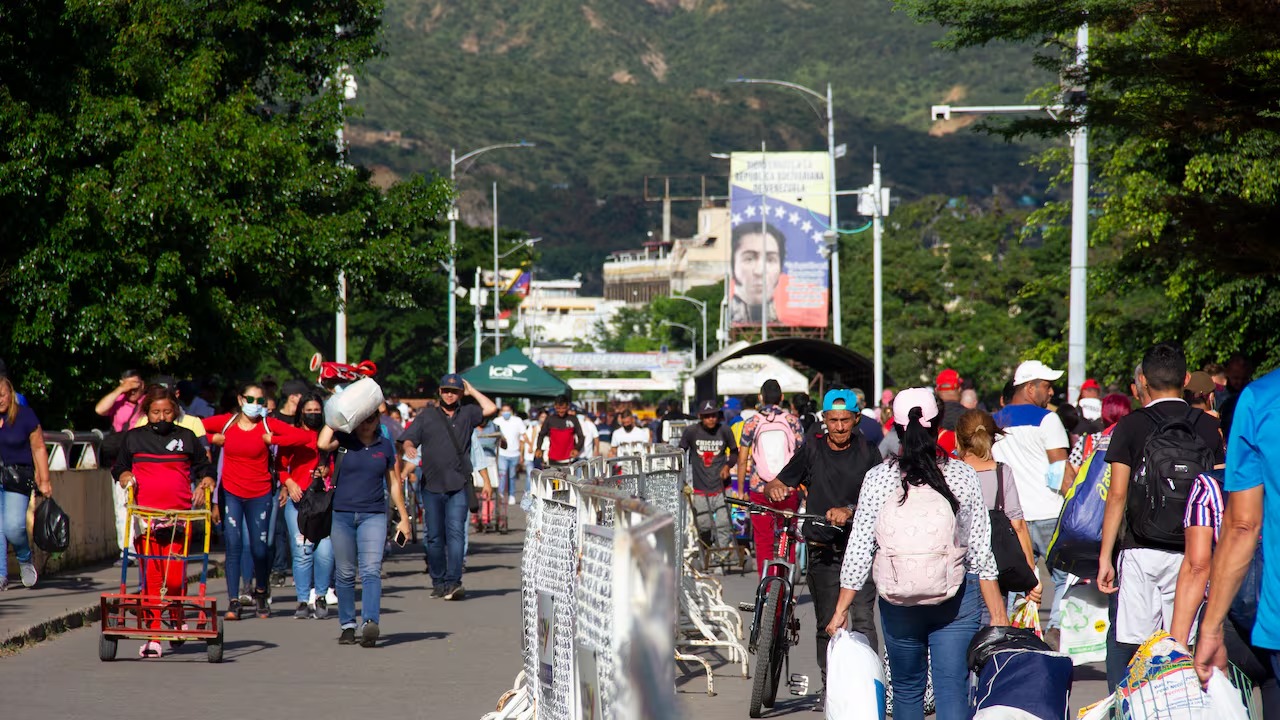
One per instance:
(947, 380)
(1090, 384)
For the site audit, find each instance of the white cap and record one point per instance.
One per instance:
(1034, 370)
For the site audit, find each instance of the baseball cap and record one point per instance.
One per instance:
(1201, 382)
(841, 399)
(1090, 384)
(708, 407)
(451, 381)
(1034, 370)
(915, 398)
(947, 380)
(733, 404)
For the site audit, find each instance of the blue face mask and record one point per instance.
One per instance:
(506, 415)
(253, 411)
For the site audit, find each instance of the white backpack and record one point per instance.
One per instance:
(773, 445)
(918, 561)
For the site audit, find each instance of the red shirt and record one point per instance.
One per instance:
(245, 469)
(297, 463)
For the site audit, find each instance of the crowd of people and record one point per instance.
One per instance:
(1185, 558)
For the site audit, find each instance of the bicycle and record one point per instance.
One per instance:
(775, 629)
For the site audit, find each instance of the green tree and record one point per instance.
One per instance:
(171, 191)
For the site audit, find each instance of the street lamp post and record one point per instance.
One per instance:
(454, 162)
(1078, 315)
(837, 331)
(691, 330)
(702, 309)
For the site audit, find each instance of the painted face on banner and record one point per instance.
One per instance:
(751, 281)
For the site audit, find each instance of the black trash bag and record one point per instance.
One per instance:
(991, 640)
(52, 531)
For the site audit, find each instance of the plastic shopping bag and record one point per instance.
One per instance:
(1084, 624)
(1225, 702)
(1026, 614)
(859, 693)
(347, 409)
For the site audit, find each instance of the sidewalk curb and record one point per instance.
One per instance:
(71, 619)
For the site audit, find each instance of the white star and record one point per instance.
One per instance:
(779, 211)
(806, 226)
(816, 237)
(793, 218)
(737, 219)
(751, 211)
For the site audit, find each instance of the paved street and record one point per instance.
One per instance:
(437, 659)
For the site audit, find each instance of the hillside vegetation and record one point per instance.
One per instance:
(614, 90)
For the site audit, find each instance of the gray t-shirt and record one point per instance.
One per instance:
(1012, 506)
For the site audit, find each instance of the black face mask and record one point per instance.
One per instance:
(448, 406)
(313, 421)
(162, 427)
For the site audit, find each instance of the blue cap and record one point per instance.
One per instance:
(452, 380)
(844, 398)
(734, 404)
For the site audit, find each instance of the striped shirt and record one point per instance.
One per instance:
(1205, 505)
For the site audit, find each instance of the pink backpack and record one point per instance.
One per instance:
(918, 561)
(773, 445)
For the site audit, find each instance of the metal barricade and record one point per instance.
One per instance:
(73, 449)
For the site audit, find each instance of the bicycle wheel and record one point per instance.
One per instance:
(769, 649)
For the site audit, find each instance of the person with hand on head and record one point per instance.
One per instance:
(312, 562)
(123, 407)
(831, 467)
(710, 449)
(159, 460)
(365, 477)
(247, 438)
(444, 434)
(929, 609)
(26, 468)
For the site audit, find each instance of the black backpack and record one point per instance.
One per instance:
(1174, 455)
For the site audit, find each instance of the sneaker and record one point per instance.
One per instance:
(511, 499)
(303, 612)
(233, 610)
(456, 592)
(246, 597)
(1053, 638)
(369, 634)
(348, 636)
(277, 579)
(261, 601)
(28, 574)
(322, 608)
(437, 592)
(150, 649)
(4, 584)
(331, 597)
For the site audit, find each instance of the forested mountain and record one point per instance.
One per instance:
(616, 90)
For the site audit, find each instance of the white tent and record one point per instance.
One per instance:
(744, 375)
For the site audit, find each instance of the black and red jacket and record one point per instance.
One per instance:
(566, 437)
(163, 465)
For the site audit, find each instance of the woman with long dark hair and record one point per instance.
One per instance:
(312, 562)
(922, 518)
(246, 438)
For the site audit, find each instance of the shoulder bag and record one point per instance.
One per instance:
(315, 508)
(1016, 575)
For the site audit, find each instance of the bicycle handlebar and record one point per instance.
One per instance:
(761, 509)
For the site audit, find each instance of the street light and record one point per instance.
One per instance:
(702, 308)
(454, 162)
(691, 330)
(837, 332)
(1079, 313)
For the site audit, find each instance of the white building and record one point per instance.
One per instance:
(553, 314)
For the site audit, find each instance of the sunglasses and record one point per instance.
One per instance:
(450, 391)
(252, 400)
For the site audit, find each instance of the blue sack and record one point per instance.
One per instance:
(1037, 683)
(1077, 540)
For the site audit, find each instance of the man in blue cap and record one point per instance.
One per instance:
(444, 434)
(831, 467)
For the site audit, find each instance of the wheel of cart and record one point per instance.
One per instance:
(164, 545)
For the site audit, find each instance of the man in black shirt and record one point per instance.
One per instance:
(831, 468)
(711, 449)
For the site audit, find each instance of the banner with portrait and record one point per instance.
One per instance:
(779, 209)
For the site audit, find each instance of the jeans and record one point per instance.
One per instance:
(446, 515)
(941, 633)
(281, 547)
(1041, 532)
(251, 515)
(824, 589)
(13, 520)
(312, 562)
(358, 542)
(507, 474)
